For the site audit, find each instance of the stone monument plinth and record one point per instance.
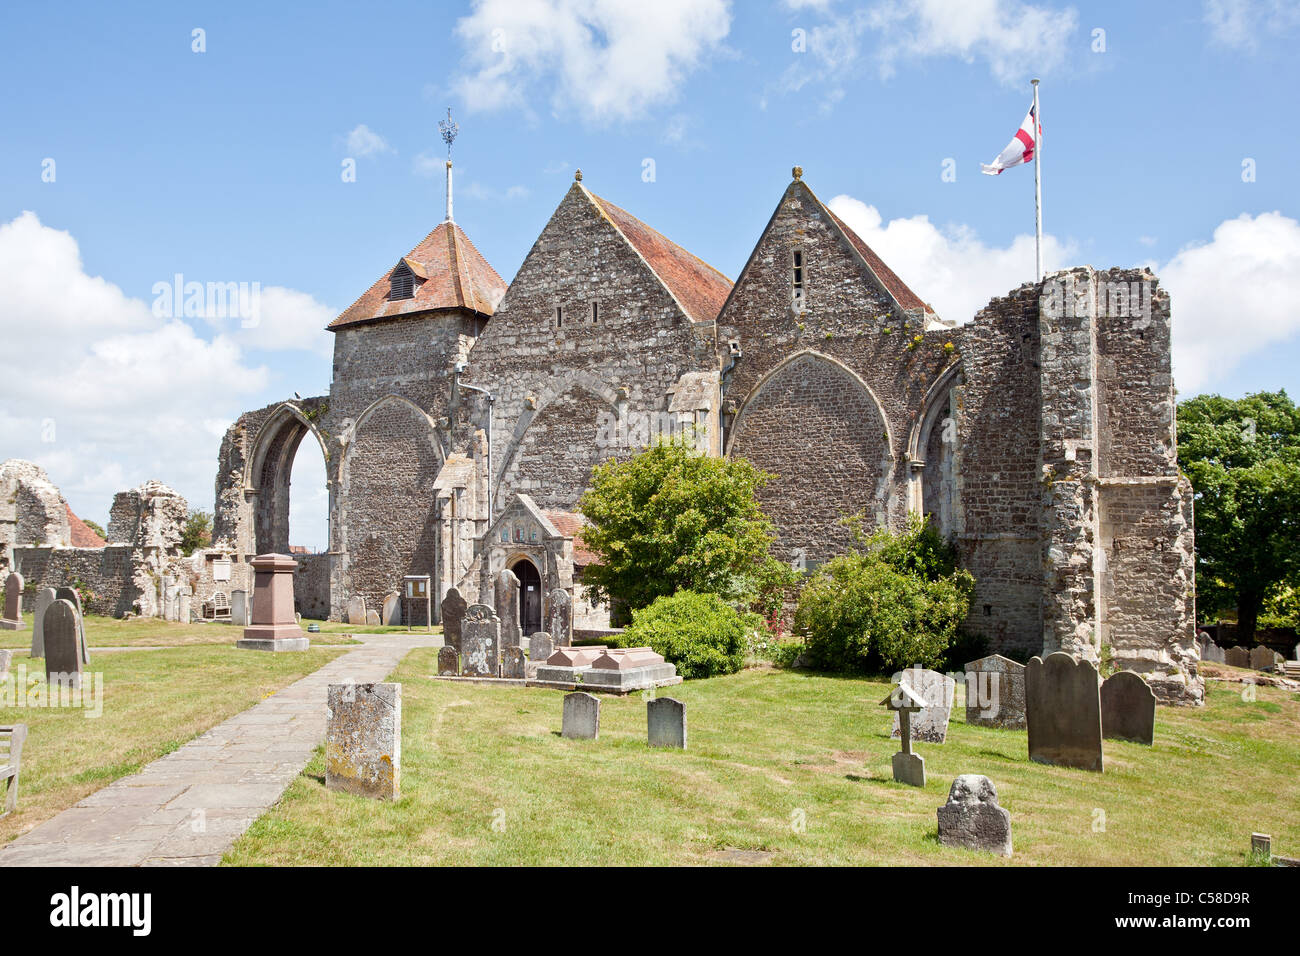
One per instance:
(273, 626)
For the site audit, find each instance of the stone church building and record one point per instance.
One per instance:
(465, 416)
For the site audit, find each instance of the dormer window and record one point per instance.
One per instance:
(401, 283)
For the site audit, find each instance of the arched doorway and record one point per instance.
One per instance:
(530, 596)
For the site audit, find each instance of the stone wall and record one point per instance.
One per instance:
(311, 586)
(120, 579)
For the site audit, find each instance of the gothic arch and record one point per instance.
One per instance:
(931, 485)
(816, 425)
(268, 472)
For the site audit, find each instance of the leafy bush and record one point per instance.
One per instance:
(896, 602)
(700, 633)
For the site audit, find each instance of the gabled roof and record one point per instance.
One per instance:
(81, 534)
(570, 524)
(889, 281)
(696, 285)
(455, 274)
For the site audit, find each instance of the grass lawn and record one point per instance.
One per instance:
(153, 702)
(342, 627)
(769, 748)
(155, 632)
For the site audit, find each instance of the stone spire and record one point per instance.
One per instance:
(448, 129)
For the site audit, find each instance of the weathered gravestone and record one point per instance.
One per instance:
(1262, 657)
(905, 704)
(183, 607)
(448, 662)
(392, 610)
(453, 612)
(372, 618)
(995, 692)
(44, 598)
(931, 722)
(1237, 657)
(357, 611)
(972, 818)
(506, 597)
(1128, 708)
(1212, 653)
(63, 644)
(13, 619)
(559, 618)
(363, 740)
(581, 718)
(480, 642)
(540, 647)
(239, 608)
(1063, 711)
(514, 663)
(73, 597)
(666, 723)
(6, 658)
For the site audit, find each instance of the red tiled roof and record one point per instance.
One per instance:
(455, 274)
(82, 536)
(570, 524)
(700, 288)
(895, 286)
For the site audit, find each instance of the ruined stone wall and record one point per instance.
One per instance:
(311, 586)
(121, 579)
(32, 511)
(565, 381)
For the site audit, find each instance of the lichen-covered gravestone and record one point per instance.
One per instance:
(448, 662)
(392, 609)
(559, 618)
(73, 597)
(363, 740)
(480, 642)
(972, 818)
(357, 611)
(1262, 657)
(44, 598)
(13, 613)
(540, 646)
(1063, 711)
(995, 692)
(1128, 708)
(506, 595)
(62, 644)
(514, 664)
(581, 718)
(666, 723)
(453, 613)
(1237, 657)
(931, 723)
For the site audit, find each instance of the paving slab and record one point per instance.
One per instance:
(189, 807)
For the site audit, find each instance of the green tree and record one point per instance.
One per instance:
(96, 527)
(672, 519)
(1242, 457)
(197, 533)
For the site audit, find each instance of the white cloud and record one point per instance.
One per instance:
(949, 268)
(1239, 24)
(604, 60)
(476, 190)
(363, 141)
(288, 320)
(130, 395)
(1233, 296)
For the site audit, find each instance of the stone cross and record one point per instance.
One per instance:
(909, 767)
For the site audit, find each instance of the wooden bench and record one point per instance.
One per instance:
(11, 752)
(218, 608)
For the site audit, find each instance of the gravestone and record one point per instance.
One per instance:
(1063, 711)
(357, 611)
(666, 723)
(183, 607)
(995, 692)
(44, 598)
(363, 740)
(1213, 654)
(73, 597)
(1128, 708)
(448, 662)
(514, 664)
(931, 722)
(392, 611)
(905, 704)
(540, 647)
(581, 720)
(63, 644)
(372, 618)
(972, 818)
(239, 608)
(482, 658)
(506, 597)
(6, 658)
(559, 618)
(13, 619)
(453, 612)
(1237, 657)
(1262, 657)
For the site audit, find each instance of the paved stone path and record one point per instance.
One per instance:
(188, 808)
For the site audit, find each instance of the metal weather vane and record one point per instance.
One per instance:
(448, 129)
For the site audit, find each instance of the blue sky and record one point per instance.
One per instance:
(225, 166)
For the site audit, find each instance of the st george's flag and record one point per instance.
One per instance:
(1019, 150)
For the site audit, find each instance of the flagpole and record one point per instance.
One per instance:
(1038, 190)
